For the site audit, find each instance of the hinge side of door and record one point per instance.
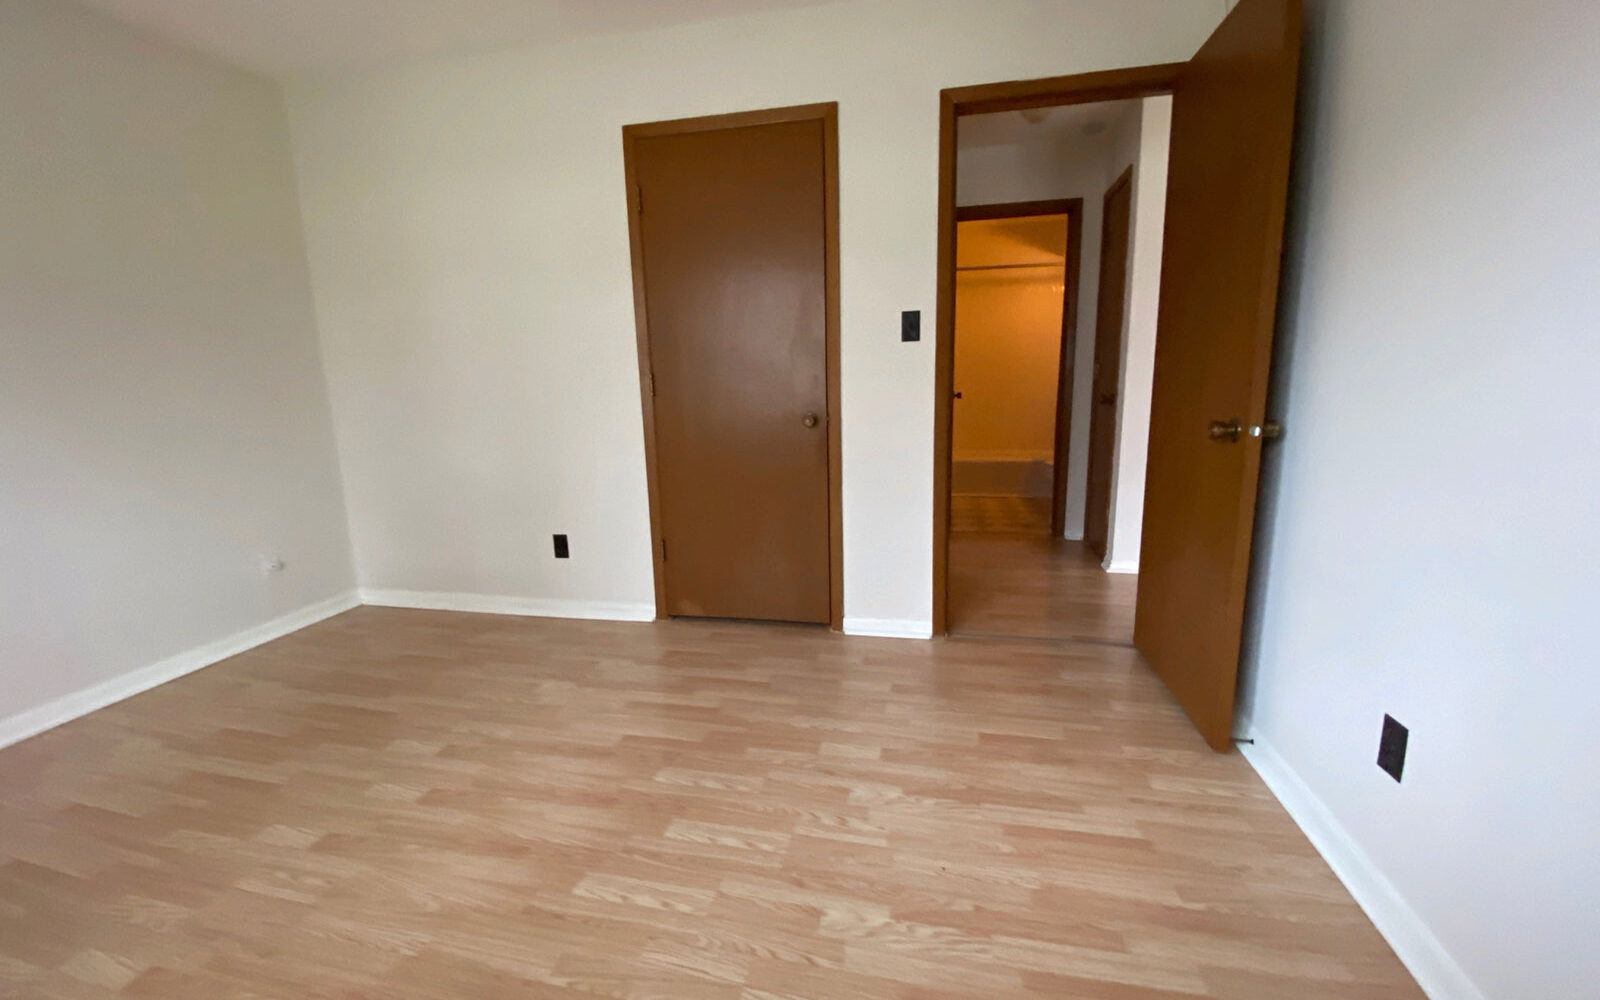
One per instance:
(638, 198)
(663, 550)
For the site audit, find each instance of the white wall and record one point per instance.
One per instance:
(1144, 145)
(1429, 540)
(468, 242)
(163, 418)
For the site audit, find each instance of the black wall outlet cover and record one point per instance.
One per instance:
(1392, 747)
(911, 325)
(561, 547)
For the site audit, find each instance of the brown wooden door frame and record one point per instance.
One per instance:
(1098, 541)
(1082, 88)
(828, 115)
(1072, 208)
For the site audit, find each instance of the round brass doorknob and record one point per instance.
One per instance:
(810, 420)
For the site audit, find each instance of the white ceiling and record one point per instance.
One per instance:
(288, 37)
(1069, 121)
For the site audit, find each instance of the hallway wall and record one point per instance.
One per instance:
(1142, 144)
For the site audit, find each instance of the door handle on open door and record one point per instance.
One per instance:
(1225, 430)
(1232, 430)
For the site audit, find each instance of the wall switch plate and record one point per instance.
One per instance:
(911, 325)
(1392, 747)
(562, 551)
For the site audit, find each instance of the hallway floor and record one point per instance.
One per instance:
(993, 513)
(1035, 586)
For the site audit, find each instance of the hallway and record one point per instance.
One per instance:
(1038, 587)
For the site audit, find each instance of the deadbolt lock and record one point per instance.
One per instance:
(1232, 430)
(1225, 430)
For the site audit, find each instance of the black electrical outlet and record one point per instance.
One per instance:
(1392, 747)
(910, 325)
(561, 547)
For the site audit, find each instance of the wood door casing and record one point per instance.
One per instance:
(1106, 382)
(1232, 128)
(954, 103)
(733, 242)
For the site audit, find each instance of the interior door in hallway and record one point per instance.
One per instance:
(1232, 127)
(1107, 359)
(731, 229)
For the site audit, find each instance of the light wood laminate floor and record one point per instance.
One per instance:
(1011, 514)
(410, 804)
(1037, 587)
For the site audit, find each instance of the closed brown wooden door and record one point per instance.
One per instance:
(733, 240)
(1232, 124)
(1107, 359)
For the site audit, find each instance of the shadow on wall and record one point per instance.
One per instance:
(1291, 297)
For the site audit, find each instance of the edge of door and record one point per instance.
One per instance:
(828, 115)
(1066, 368)
(1071, 288)
(1124, 180)
(956, 102)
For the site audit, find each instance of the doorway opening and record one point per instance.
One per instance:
(1049, 428)
(1017, 267)
(1228, 136)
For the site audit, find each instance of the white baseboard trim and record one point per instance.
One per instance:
(1436, 971)
(889, 628)
(34, 721)
(529, 607)
(1130, 566)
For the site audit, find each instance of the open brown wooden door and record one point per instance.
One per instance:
(1232, 125)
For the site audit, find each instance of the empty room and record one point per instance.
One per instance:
(799, 499)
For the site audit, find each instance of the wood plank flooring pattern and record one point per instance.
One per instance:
(408, 804)
(1037, 587)
(1010, 514)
